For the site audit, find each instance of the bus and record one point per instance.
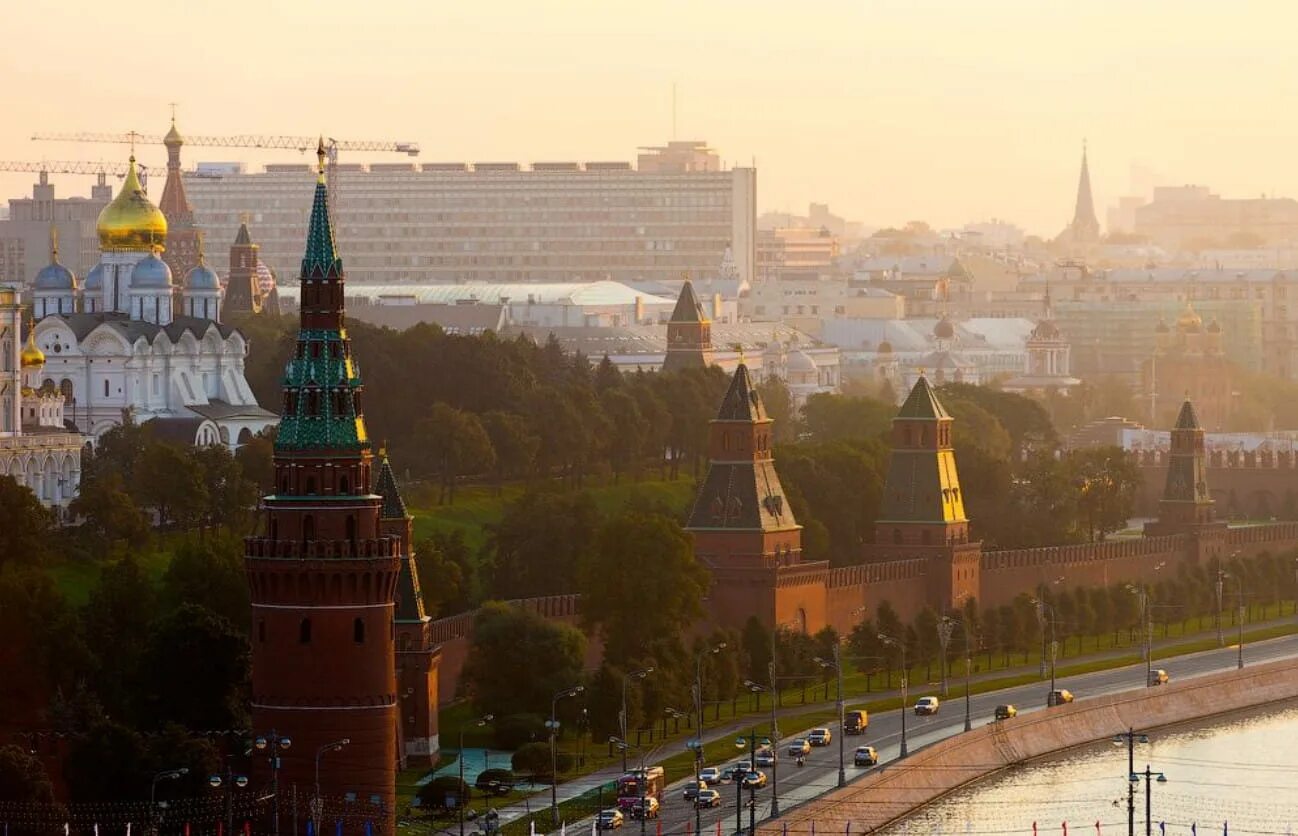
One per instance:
(647, 783)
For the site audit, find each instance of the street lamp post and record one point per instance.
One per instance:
(837, 664)
(464, 790)
(751, 740)
(553, 725)
(968, 663)
(163, 775)
(272, 745)
(1239, 591)
(229, 780)
(1130, 738)
(1149, 775)
(1221, 639)
(900, 645)
(317, 808)
(775, 736)
(642, 780)
(945, 627)
(627, 677)
(698, 708)
(1042, 606)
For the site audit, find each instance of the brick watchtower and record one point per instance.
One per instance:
(418, 659)
(689, 334)
(922, 512)
(1187, 506)
(744, 531)
(242, 293)
(324, 578)
(181, 253)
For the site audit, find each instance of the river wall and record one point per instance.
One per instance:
(889, 794)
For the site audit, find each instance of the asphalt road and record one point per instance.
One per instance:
(819, 774)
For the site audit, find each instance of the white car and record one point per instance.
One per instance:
(765, 757)
(819, 737)
(710, 775)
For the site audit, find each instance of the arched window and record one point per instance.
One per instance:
(304, 631)
(310, 485)
(274, 529)
(105, 387)
(308, 527)
(344, 486)
(351, 528)
(358, 631)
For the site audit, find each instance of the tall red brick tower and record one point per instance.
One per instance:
(922, 512)
(181, 253)
(417, 658)
(689, 334)
(242, 293)
(744, 531)
(324, 577)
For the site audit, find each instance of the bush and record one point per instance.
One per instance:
(498, 781)
(513, 730)
(443, 793)
(534, 759)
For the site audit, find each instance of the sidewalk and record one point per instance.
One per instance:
(586, 783)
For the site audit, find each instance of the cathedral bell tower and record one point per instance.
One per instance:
(324, 576)
(182, 232)
(922, 513)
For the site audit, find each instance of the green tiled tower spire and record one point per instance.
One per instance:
(322, 384)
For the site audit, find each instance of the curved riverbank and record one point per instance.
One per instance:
(899, 789)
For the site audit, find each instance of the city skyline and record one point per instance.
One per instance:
(888, 113)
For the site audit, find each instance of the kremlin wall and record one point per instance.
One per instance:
(341, 643)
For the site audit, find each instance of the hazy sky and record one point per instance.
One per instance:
(889, 110)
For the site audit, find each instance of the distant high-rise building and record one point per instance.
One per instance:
(506, 223)
(25, 235)
(1192, 217)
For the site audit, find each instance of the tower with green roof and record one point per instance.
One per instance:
(324, 575)
(922, 513)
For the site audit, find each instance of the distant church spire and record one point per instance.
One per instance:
(1084, 228)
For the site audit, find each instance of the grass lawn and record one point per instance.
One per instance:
(477, 506)
(78, 578)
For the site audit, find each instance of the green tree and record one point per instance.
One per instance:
(641, 559)
(1106, 480)
(111, 516)
(455, 445)
(119, 615)
(517, 660)
(755, 643)
(623, 412)
(539, 544)
(195, 671)
(447, 562)
(171, 483)
(23, 778)
(27, 527)
(778, 400)
(829, 417)
(514, 444)
(230, 498)
(209, 573)
(256, 458)
(42, 651)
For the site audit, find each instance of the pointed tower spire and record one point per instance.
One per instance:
(1085, 228)
(689, 333)
(1186, 501)
(54, 244)
(321, 260)
(181, 254)
(242, 293)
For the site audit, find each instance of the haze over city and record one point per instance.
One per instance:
(890, 110)
(502, 419)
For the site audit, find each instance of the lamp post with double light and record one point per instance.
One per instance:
(837, 665)
(642, 778)
(162, 775)
(272, 745)
(229, 780)
(1150, 776)
(553, 725)
(758, 688)
(1130, 738)
(1042, 608)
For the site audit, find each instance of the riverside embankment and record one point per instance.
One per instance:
(900, 788)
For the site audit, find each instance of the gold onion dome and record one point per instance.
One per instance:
(31, 355)
(1189, 320)
(131, 221)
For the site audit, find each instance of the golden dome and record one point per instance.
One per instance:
(31, 356)
(1189, 320)
(131, 221)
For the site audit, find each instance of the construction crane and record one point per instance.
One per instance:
(103, 169)
(302, 144)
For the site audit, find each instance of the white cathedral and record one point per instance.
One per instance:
(128, 340)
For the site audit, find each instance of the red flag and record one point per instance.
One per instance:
(247, 828)
(1034, 829)
(660, 827)
(186, 828)
(220, 828)
(1065, 828)
(1097, 828)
